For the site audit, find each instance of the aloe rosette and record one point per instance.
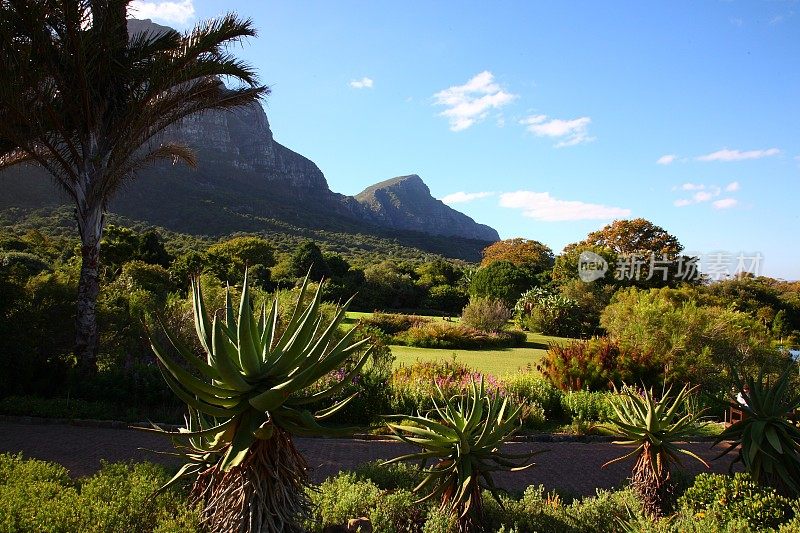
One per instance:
(655, 428)
(248, 397)
(463, 435)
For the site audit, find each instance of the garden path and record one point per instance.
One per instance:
(571, 467)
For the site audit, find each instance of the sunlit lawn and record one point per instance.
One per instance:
(498, 362)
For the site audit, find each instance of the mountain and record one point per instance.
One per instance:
(246, 181)
(406, 203)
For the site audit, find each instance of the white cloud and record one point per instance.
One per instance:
(693, 186)
(470, 103)
(738, 155)
(702, 196)
(705, 193)
(363, 83)
(666, 159)
(574, 131)
(725, 203)
(175, 12)
(461, 197)
(542, 206)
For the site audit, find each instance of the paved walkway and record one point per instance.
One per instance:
(567, 466)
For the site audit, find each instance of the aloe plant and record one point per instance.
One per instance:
(246, 401)
(462, 437)
(654, 427)
(767, 442)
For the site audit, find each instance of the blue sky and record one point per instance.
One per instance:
(550, 119)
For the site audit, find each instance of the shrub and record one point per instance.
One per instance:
(598, 364)
(456, 336)
(586, 406)
(36, 496)
(393, 323)
(439, 521)
(531, 388)
(445, 298)
(342, 497)
(485, 314)
(396, 512)
(463, 435)
(412, 386)
(696, 343)
(390, 477)
(544, 312)
(736, 497)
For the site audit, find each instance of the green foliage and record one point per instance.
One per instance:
(655, 427)
(463, 436)
(445, 298)
(229, 258)
(253, 377)
(694, 343)
(765, 440)
(40, 497)
(456, 336)
(736, 497)
(341, 498)
(548, 313)
(532, 388)
(586, 406)
(121, 244)
(390, 477)
(307, 259)
(598, 364)
(389, 285)
(501, 280)
(485, 314)
(393, 323)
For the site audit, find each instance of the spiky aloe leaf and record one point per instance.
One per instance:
(466, 438)
(253, 381)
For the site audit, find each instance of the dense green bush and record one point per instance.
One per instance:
(390, 477)
(445, 298)
(39, 497)
(736, 497)
(393, 323)
(696, 343)
(502, 280)
(485, 314)
(412, 387)
(586, 406)
(456, 336)
(543, 311)
(341, 498)
(598, 364)
(532, 388)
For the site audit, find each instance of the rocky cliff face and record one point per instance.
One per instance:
(244, 177)
(405, 202)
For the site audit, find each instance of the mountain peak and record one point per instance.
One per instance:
(405, 202)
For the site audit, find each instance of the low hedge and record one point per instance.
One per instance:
(37, 496)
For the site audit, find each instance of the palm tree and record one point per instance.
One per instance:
(89, 103)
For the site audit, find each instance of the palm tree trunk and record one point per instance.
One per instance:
(90, 225)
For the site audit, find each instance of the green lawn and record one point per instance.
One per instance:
(498, 362)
